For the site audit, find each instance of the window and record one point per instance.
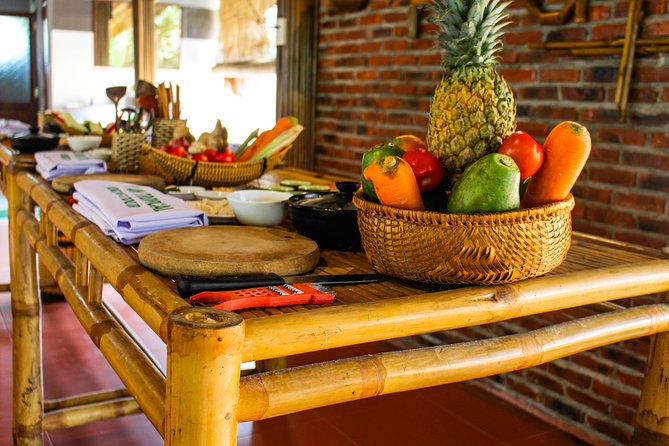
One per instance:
(114, 40)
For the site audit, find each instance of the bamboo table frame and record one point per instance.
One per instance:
(201, 398)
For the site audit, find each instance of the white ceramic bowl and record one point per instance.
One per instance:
(212, 194)
(184, 192)
(259, 207)
(79, 143)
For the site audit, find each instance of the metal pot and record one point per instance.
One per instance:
(34, 141)
(330, 219)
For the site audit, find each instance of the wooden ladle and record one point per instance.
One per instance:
(116, 94)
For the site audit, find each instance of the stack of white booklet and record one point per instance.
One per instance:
(56, 163)
(128, 212)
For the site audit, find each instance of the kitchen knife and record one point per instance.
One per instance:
(190, 285)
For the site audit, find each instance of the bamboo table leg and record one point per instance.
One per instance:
(27, 347)
(652, 420)
(204, 353)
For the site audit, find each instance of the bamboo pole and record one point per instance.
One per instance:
(337, 326)
(84, 398)
(27, 394)
(627, 59)
(287, 391)
(104, 410)
(203, 369)
(147, 294)
(652, 418)
(142, 379)
(95, 284)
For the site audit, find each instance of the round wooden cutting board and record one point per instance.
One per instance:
(228, 251)
(65, 184)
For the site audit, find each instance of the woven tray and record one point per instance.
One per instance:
(209, 174)
(491, 248)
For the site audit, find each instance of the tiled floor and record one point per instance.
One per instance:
(451, 415)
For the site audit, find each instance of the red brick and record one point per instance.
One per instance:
(395, 17)
(367, 75)
(620, 135)
(600, 74)
(643, 159)
(372, 19)
(590, 94)
(599, 115)
(542, 92)
(652, 74)
(623, 414)
(653, 181)
(608, 31)
(538, 130)
(567, 34)
(604, 154)
(611, 216)
(587, 399)
(544, 380)
(615, 430)
(648, 95)
(613, 390)
(395, 45)
(535, 57)
(643, 202)
(404, 60)
(518, 75)
(565, 371)
(522, 37)
(559, 75)
(369, 47)
(598, 12)
(659, 225)
(612, 176)
(656, 29)
(641, 238)
(376, 61)
(665, 94)
(660, 139)
(592, 193)
(591, 228)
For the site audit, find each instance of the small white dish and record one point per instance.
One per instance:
(259, 207)
(212, 194)
(100, 154)
(184, 192)
(79, 143)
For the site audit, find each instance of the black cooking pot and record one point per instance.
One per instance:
(330, 219)
(34, 141)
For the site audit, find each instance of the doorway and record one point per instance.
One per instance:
(18, 68)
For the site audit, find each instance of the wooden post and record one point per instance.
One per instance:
(27, 346)
(652, 419)
(203, 371)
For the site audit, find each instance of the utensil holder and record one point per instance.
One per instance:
(163, 129)
(126, 150)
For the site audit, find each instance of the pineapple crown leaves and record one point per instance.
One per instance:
(471, 30)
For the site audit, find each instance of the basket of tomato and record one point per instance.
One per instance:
(505, 217)
(210, 162)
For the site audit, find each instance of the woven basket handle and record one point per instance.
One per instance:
(189, 178)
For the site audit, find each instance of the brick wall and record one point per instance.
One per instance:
(375, 82)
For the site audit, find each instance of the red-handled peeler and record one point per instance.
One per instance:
(270, 296)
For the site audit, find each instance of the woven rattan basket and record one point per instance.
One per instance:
(209, 174)
(126, 149)
(491, 248)
(163, 130)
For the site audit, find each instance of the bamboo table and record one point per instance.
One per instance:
(202, 397)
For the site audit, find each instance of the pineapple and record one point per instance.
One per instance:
(473, 109)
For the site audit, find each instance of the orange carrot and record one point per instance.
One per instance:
(394, 183)
(267, 136)
(566, 150)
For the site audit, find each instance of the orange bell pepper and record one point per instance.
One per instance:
(395, 183)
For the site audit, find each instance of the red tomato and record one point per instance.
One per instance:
(227, 156)
(426, 167)
(525, 151)
(177, 151)
(200, 157)
(211, 154)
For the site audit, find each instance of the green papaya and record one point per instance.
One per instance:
(373, 154)
(491, 184)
